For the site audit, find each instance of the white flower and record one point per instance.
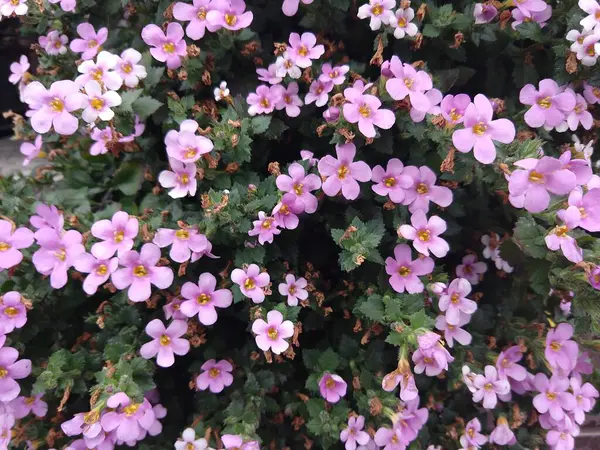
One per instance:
(401, 22)
(502, 265)
(286, 66)
(586, 149)
(593, 9)
(99, 103)
(221, 92)
(491, 246)
(468, 378)
(577, 37)
(128, 68)
(190, 442)
(380, 11)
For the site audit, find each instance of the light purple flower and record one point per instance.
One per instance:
(331, 114)
(11, 241)
(528, 187)
(502, 434)
(272, 334)
(425, 234)
(560, 440)
(129, 419)
(101, 71)
(580, 168)
(13, 313)
(215, 376)
(53, 106)
(169, 47)
(54, 43)
(207, 252)
(586, 46)
(300, 185)
(32, 150)
(507, 366)
(290, 7)
(471, 269)
(286, 211)
(172, 309)
(488, 387)
(251, 282)
(353, 434)
(580, 114)
(23, 406)
(48, 216)
(263, 101)
(201, 299)
(379, 11)
(553, 396)
(390, 439)
(364, 109)
(529, 6)
(16, 7)
(19, 70)
(549, 105)
(270, 74)
(405, 272)
(266, 227)
(407, 81)
(558, 237)
(423, 190)
(182, 179)
(117, 235)
(98, 104)
(332, 387)
(402, 24)
(90, 42)
(99, 270)
(454, 332)
(235, 442)
(481, 131)
(540, 17)
(101, 137)
(591, 93)
(391, 181)
(196, 14)
(289, 100)
(454, 302)
(454, 107)
(435, 97)
(342, 174)
(7, 421)
(129, 69)
(57, 254)
(484, 13)
(139, 271)
(585, 398)
(318, 92)
(293, 289)
(431, 357)
(183, 242)
(303, 49)
(561, 352)
(588, 207)
(166, 342)
(285, 66)
(473, 433)
(336, 75)
(229, 14)
(11, 370)
(65, 5)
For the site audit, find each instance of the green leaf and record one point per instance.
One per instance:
(154, 76)
(129, 178)
(430, 31)
(127, 99)
(260, 124)
(373, 308)
(530, 237)
(146, 106)
(329, 361)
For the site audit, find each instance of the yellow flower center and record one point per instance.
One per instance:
(343, 171)
(545, 102)
(364, 111)
(101, 270)
(377, 10)
(230, 19)
(450, 327)
(131, 409)
(203, 299)
(488, 386)
(118, 236)
(29, 400)
(424, 235)
(471, 432)
(57, 104)
(201, 13)
(169, 47)
(455, 298)
(455, 115)
(303, 51)
(561, 231)
(555, 346)
(298, 188)
(127, 68)
(58, 43)
(3, 372)
(333, 74)
(390, 182)
(266, 224)
(402, 22)
(97, 103)
(404, 271)
(140, 271)
(272, 333)
(408, 82)
(551, 396)
(468, 270)
(249, 284)
(165, 340)
(596, 91)
(11, 311)
(184, 235)
(61, 254)
(92, 43)
(330, 383)
(190, 152)
(4, 246)
(287, 99)
(214, 372)
(479, 128)
(579, 108)
(536, 177)
(288, 64)
(394, 439)
(579, 398)
(583, 212)
(91, 417)
(190, 446)
(265, 103)
(427, 360)
(319, 89)
(422, 188)
(97, 74)
(292, 289)
(597, 15)
(590, 51)
(285, 210)
(184, 179)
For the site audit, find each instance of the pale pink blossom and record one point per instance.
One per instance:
(183, 242)
(303, 49)
(272, 334)
(99, 102)
(251, 281)
(102, 71)
(129, 69)
(342, 174)
(182, 179)
(91, 41)
(294, 289)
(201, 299)
(117, 235)
(166, 342)
(425, 234)
(169, 47)
(54, 43)
(215, 376)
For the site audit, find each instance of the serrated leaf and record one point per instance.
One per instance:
(146, 106)
(373, 308)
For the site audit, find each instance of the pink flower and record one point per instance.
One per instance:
(101, 71)
(235, 442)
(265, 228)
(166, 342)
(128, 69)
(484, 13)
(285, 66)
(172, 309)
(502, 434)
(289, 100)
(473, 433)
(343, 173)
(201, 299)
(287, 210)
(549, 105)
(182, 179)
(332, 387)
(53, 107)
(405, 271)
(54, 43)
(7, 421)
(529, 186)
(580, 167)
(353, 434)
(402, 24)
(558, 237)
(529, 6)
(586, 47)
(407, 81)
(65, 5)
(488, 387)
(32, 151)
(13, 313)
(364, 110)
(553, 396)
(19, 70)
(588, 207)
(229, 14)
(454, 302)
(23, 406)
(299, 185)
(585, 398)
(11, 241)
(48, 216)
(390, 439)
(454, 332)
(12, 370)
(379, 11)
(208, 252)
(99, 270)
(580, 114)
(270, 74)
(561, 352)
(540, 17)
(169, 47)
(196, 14)
(593, 9)
(391, 181)
(117, 235)
(90, 42)
(481, 131)
(183, 242)
(57, 254)
(101, 138)
(139, 271)
(272, 334)
(431, 357)
(318, 92)
(251, 282)
(293, 289)
(215, 376)
(129, 419)
(507, 366)
(336, 75)
(331, 114)
(434, 97)
(560, 440)
(425, 234)
(302, 49)
(307, 155)
(290, 7)
(422, 190)
(263, 101)
(454, 108)
(594, 278)
(471, 269)
(98, 103)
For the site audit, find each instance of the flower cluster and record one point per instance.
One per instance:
(380, 12)
(524, 11)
